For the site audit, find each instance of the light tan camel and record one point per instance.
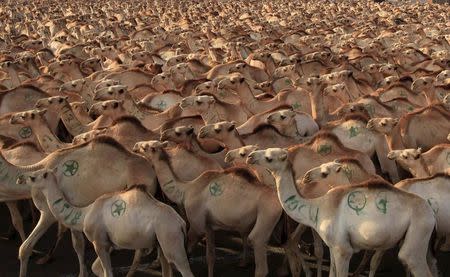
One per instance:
(343, 216)
(77, 178)
(255, 213)
(421, 165)
(157, 225)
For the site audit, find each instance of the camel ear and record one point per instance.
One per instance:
(165, 143)
(338, 168)
(232, 126)
(419, 150)
(283, 157)
(241, 80)
(190, 131)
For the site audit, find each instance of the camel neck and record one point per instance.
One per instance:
(47, 140)
(132, 109)
(211, 115)
(66, 213)
(235, 141)
(420, 170)
(15, 81)
(172, 187)
(71, 121)
(8, 176)
(304, 211)
(270, 67)
(318, 110)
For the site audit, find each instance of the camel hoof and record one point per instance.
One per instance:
(44, 260)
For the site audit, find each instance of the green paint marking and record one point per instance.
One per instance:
(354, 131)
(64, 207)
(356, 200)
(170, 182)
(381, 202)
(162, 105)
(370, 109)
(324, 149)
(291, 203)
(313, 214)
(296, 106)
(70, 168)
(433, 204)
(215, 189)
(57, 201)
(68, 216)
(118, 208)
(25, 132)
(410, 108)
(288, 81)
(301, 207)
(76, 218)
(348, 172)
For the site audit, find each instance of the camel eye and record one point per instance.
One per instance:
(283, 117)
(269, 160)
(242, 154)
(45, 175)
(208, 87)
(73, 85)
(232, 82)
(217, 130)
(163, 77)
(324, 174)
(32, 178)
(177, 133)
(60, 100)
(121, 91)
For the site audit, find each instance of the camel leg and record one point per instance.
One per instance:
(387, 165)
(16, 218)
(165, 265)
(61, 230)
(45, 221)
(341, 261)
(245, 250)
(97, 267)
(105, 259)
(412, 252)
(79, 244)
(318, 252)
(296, 262)
(375, 262)
(193, 238)
(136, 260)
(173, 250)
(362, 264)
(332, 265)
(432, 262)
(210, 251)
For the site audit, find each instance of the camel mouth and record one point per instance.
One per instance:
(391, 156)
(251, 159)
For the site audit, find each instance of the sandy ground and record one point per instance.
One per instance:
(65, 263)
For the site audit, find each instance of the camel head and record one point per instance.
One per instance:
(335, 89)
(383, 125)
(197, 104)
(283, 120)
(422, 83)
(79, 107)
(371, 68)
(107, 108)
(91, 65)
(232, 82)
(264, 86)
(55, 103)
(406, 158)
(85, 137)
(178, 134)
(110, 93)
(443, 77)
(331, 171)
(218, 131)
(38, 179)
(286, 71)
(388, 81)
(206, 87)
(350, 108)
(106, 83)
(73, 86)
(274, 159)
(151, 148)
(240, 155)
(162, 82)
(310, 83)
(33, 45)
(262, 56)
(181, 72)
(388, 69)
(239, 67)
(62, 67)
(143, 56)
(27, 118)
(336, 77)
(176, 60)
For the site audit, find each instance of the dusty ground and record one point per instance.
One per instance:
(65, 262)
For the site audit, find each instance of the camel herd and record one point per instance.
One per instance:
(148, 125)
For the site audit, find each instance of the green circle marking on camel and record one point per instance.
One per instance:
(118, 208)
(70, 168)
(324, 149)
(215, 189)
(25, 132)
(356, 201)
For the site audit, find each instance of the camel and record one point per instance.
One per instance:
(101, 221)
(201, 198)
(238, 156)
(265, 135)
(421, 165)
(71, 161)
(335, 215)
(423, 128)
(294, 98)
(185, 137)
(250, 72)
(212, 110)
